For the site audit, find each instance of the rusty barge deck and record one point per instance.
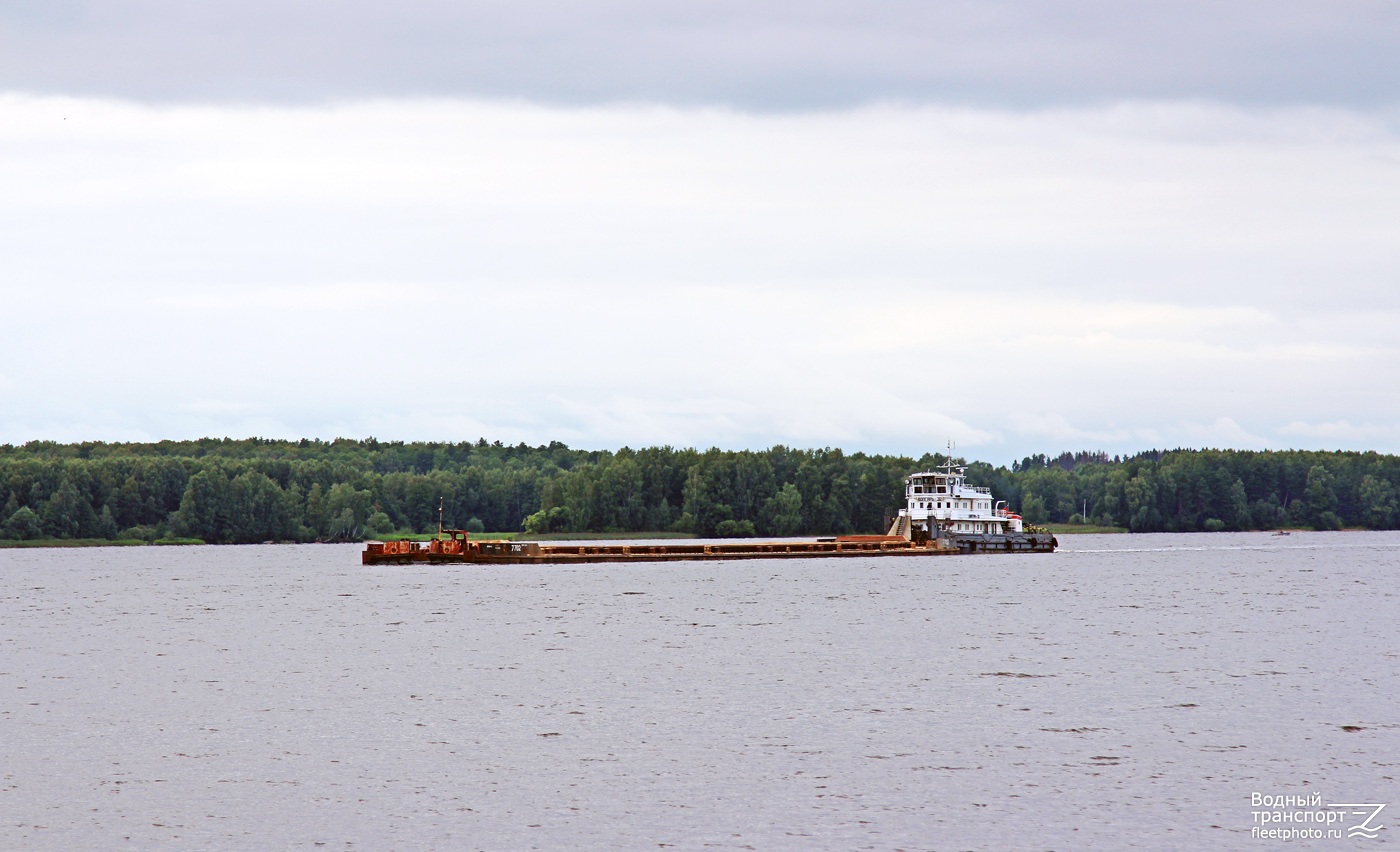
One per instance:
(457, 548)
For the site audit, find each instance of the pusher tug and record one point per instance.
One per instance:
(942, 506)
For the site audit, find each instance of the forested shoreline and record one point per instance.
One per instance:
(253, 490)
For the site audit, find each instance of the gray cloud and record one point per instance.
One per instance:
(877, 279)
(759, 54)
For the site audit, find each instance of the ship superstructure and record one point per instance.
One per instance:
(941, 500)
(939, 504)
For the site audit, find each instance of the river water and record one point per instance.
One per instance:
(1126, 692)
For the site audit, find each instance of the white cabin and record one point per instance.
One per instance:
(942, 501)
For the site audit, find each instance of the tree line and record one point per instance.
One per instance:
(1206, 490)
(236, 491)
(231, 491)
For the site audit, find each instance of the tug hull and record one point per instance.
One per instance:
(995, 543)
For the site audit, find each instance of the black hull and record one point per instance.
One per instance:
(995, 543)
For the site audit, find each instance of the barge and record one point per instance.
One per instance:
(456, 547)
(943, 516)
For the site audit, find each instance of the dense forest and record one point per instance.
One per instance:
(222, 490)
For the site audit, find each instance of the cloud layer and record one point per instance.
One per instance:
(881, 278)
(759, 54)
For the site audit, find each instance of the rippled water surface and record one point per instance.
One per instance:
(1129, 691)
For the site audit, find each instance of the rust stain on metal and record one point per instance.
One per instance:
(456, 547)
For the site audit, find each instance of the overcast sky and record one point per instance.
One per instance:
(1027, 227)
(761, 54)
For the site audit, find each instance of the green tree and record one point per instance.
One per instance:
(1239, 513)
(23, 524)
(206, 506)
(258, 510)
(1267, 514)
(1114, 500)
(106, 524)
(379, 524)
(349, 509)
(1322, 498)
(735, 529)
(343, 526)
(1378, 502)
(701, 503)
(1033, 509)
(127, 504)
(68, 514)
(549, 521)
(782, 513)
(1327, 521)
(1142, 495)
(316, 518)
